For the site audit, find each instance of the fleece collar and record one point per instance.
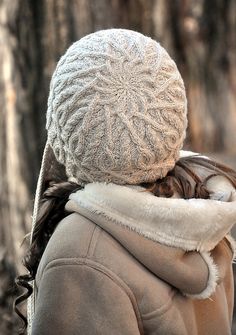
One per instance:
(194, 224)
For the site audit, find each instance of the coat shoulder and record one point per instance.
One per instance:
(70, 239)
(78, 237)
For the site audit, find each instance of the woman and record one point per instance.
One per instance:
(129, 236)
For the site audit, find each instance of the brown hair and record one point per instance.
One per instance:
(183, 179)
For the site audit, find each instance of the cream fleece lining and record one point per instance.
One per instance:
(194, 224)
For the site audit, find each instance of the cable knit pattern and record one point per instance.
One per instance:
(116, 109)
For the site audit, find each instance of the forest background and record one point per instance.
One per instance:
(199, 34)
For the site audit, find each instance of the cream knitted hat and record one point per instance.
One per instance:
(116, 109)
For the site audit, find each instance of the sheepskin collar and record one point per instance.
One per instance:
(194, 224)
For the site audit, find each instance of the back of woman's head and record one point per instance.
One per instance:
(117, 109)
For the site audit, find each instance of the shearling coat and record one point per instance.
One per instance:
(106, 270)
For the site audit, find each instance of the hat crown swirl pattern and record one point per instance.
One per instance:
(116, 109)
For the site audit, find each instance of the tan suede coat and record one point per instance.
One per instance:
(128, 263)
(101, 278)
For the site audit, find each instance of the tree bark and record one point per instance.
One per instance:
(200, 36)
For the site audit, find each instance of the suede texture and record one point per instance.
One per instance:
(103, 280)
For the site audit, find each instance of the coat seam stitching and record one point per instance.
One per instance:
(160, 310)
(90, 242)
(93, 241)
(107, 272)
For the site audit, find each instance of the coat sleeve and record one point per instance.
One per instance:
(218, 261)
(196, 274)
(76, 299)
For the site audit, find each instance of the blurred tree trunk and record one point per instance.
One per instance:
(200, 36)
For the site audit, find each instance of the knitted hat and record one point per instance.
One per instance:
(116, 109)
(116, 112)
